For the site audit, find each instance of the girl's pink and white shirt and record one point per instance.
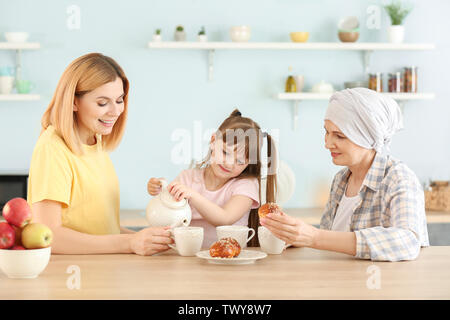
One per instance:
(194, 178)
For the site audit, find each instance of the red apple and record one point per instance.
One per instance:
(17, 212)
(7, 235)
(18, 248)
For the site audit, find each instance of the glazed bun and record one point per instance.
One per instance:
(225, 248)
(269, 207)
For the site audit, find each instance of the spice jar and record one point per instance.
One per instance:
(395, 83)
(375, 82)
(410, 79)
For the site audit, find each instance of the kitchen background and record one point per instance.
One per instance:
(170, 88)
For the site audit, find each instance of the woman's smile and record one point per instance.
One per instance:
(335, 154)
(107, 123)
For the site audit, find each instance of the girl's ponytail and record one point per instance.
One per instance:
(271, 188)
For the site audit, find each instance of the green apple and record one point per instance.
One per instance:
(36, 236)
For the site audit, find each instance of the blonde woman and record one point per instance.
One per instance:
(73, 187)
(376, 207)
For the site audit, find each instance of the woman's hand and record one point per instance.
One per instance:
(154, 186)
(291, 230)
(180, 191)
(149, 241)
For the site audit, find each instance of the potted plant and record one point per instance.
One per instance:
(180, 35)
(157, 35)
(397, 12)
(202, 35)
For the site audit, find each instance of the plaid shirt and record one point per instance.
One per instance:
(389, 221)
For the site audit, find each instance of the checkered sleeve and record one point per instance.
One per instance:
(400, 240)
(325, 221)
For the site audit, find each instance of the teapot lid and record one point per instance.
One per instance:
(168, 199)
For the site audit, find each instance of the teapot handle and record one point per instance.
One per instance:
(164, 183)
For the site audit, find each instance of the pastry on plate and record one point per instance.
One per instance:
(225, 248)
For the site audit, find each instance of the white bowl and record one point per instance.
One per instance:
(24, 264)
(240, 33)
(348, 24)
(16, 36)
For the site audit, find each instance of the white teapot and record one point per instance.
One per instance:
(164, 210)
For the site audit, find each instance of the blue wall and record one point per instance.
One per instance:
(170, 90)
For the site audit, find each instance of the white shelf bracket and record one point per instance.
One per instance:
(211, 64)
(18, 64)
(296, 102)
(367, 56)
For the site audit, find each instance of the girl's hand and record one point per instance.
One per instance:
(291, 230)
(154, 186)
(149, 241)
(180, 191)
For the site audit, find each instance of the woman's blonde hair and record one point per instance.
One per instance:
(236, 122)
(83, 75)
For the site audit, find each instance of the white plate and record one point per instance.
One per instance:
(245, 257)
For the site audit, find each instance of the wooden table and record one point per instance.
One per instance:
(298, 273)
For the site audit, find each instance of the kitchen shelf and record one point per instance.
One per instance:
(302, 96)
(19, 97)
(19, 45)
(366, 48)
(361, 46)
(403, 96)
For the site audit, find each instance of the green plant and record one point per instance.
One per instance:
(158, 31)
(397, 12)
(180, 28)
(202, 31)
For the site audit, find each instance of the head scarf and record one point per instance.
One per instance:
(368, 118)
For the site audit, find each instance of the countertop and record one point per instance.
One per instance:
(298, 273)
(136, 218)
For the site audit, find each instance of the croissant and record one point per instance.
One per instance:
(225, 248)
(269, 207)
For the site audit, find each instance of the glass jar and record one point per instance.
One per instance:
(410, 79)
(376, 82)
(395, 83)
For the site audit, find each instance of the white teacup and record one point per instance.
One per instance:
(269, 243)
(188, 240)
(6, 84)
(240, 233)
(299, 81)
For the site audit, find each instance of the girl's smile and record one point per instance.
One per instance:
(225, 170)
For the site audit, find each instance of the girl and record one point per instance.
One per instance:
(376, 207)
(225, 188)
(72, 186)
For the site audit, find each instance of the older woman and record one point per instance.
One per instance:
(376, 205)
(73, 187)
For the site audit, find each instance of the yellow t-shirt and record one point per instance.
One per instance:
(87, 186)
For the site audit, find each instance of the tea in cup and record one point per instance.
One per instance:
(240, 233)
(188, 240)
(269, 243)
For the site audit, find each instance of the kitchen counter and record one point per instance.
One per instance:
(136, 218)
(298, 273)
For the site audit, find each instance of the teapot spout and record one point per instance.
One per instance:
(181, 223)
